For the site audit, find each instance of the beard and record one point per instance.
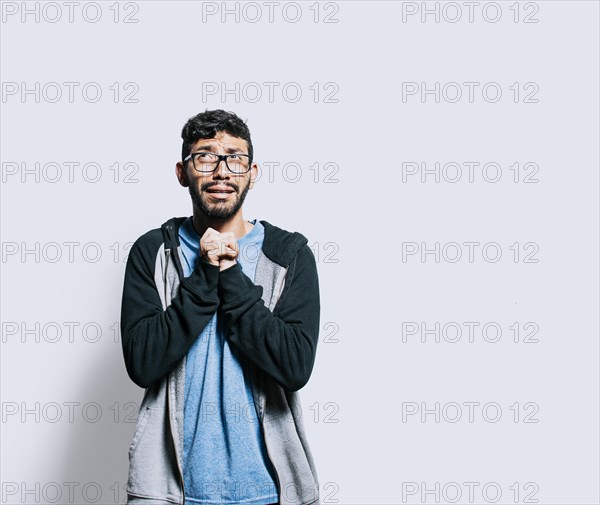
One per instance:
(218, 209)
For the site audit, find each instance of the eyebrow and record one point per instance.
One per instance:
(210, 147)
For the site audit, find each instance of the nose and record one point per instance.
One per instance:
(221, 172)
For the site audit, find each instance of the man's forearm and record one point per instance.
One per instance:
(283, 344)
(154, 339)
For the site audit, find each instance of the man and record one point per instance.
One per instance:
(220, 322)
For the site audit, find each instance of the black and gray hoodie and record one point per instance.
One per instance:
(273, 321)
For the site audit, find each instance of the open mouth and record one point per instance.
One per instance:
(222, 189)
(220, 193)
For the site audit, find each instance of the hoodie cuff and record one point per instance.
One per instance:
(233, 282)
(203, 280)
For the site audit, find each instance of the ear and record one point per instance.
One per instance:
(181, 174)
(253, 174)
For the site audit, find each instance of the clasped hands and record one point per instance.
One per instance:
(219, 248)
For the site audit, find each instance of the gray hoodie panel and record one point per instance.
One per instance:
(156, 451)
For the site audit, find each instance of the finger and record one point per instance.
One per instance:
(233, 247)
(210, 235)
(209, 245)
(232, 252)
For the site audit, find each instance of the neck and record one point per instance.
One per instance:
(236, 224)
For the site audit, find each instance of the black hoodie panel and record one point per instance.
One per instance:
(281, 343)
(153, 339)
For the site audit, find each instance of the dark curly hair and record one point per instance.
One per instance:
(205, 125)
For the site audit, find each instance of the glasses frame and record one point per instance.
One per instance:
(221, 157)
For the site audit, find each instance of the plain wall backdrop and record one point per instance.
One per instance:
(440, 157)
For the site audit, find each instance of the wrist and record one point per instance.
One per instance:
(226, 264)
(210, 261)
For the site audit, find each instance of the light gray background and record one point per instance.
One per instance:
(366, 379)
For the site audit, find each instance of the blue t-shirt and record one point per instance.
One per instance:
(224, 454)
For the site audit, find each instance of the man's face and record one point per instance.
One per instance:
(204, 187)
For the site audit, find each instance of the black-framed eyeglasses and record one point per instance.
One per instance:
(207, 162)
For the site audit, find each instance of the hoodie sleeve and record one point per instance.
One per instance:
(282, 343)
(153, 339)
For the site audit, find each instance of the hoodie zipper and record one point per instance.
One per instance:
(173, 247)
(169, 256)
(276, 477)
(269, 456)
(281, 289)
(169, 228)
(179, 471)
